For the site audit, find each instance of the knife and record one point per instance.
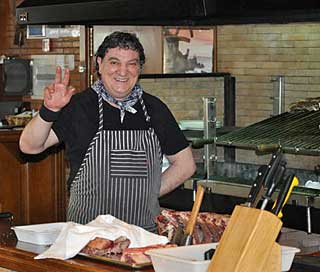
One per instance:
(257, 187)
(284, 194)
(273, 165)
(265, 177)
(273, 183)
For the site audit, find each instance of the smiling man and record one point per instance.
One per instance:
(115, 136)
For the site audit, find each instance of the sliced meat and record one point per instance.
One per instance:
(119, 249)
(100, 243)
(104, 247)
(138, 255)
(307, 104)
(208, 229)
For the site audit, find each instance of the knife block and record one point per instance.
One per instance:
(248, 243)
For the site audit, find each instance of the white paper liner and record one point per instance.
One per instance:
(73, 237)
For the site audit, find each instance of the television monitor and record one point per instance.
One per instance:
(16, 79)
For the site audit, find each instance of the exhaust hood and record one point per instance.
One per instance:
(130, 12)
(166, 12)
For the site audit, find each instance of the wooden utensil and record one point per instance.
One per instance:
(183, 238)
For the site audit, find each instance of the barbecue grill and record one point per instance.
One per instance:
(296, 132)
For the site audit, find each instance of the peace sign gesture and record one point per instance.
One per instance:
(58, 94)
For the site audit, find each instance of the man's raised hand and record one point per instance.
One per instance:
(58, 94)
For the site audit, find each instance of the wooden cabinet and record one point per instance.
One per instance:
(32, 187)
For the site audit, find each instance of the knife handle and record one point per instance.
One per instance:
(257, 187)
(276, 179)
(285, 194)
(276, 160)
(195, 210)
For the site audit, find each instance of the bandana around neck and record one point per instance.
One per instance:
(125, 104)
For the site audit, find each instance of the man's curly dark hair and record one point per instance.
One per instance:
(122, 40)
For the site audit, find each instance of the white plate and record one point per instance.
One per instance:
(40, 234)
(191, 258)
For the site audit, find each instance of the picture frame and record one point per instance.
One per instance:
(189, 50)
(36, 31)
(149, 36)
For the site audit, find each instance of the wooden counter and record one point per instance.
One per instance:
(33, 187)
(19, 256)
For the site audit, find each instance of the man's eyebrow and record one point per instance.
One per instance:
(117, 59)
(133, 60)
(112, 58)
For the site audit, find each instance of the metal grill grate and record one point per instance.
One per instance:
(296, 132)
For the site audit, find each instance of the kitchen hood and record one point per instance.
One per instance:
(128, 12)
(166, 12)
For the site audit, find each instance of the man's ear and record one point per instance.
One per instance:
(99, 61)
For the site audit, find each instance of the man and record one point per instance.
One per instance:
(115, 136)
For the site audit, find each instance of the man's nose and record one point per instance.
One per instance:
(123, 69)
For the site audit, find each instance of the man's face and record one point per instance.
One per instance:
(119, 71)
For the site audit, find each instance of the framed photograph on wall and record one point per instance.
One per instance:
(189, 50)
(149, 36)
(36, 31)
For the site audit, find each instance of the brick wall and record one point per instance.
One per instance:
(254, 54)
(184, 95)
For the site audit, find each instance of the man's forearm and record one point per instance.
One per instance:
(36, 137)
(171, 179)
(182, 167)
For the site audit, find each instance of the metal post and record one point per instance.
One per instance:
(310, 201)
(278, 95)
(229, 113)
(209, 111)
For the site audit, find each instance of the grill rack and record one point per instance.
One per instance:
(297, 132)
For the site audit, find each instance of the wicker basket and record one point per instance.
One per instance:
(14, 120)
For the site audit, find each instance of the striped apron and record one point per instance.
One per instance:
(119, 175)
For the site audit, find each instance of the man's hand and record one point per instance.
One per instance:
(58, 94)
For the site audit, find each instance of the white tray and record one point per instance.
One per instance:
(191, 124)
(194, 124)
(40, 234)
(191, 258)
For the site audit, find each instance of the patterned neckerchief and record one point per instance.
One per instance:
(125, 104)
